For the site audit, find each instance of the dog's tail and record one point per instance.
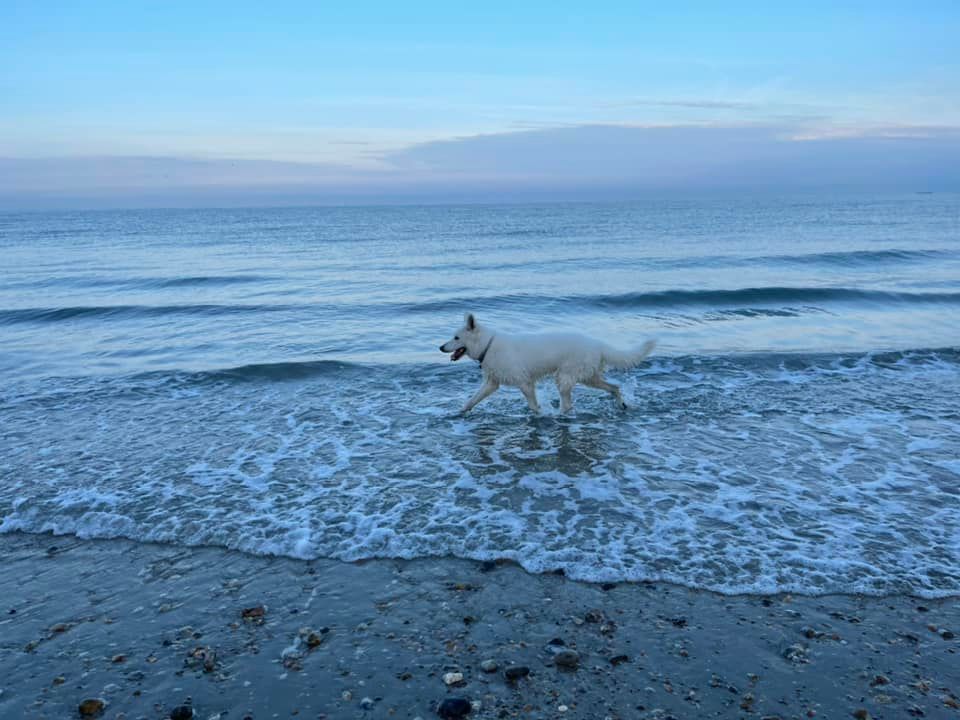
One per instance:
(623, 359)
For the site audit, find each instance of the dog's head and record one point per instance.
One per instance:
(466, 340)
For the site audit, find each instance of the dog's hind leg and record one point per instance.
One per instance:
(530, 393)
(566, 395)
(599, 382)
(487, 389)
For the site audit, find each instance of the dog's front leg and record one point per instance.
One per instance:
(489, 387)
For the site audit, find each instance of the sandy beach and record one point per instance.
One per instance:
(155, 631)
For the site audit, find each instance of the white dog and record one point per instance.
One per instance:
(521, 360)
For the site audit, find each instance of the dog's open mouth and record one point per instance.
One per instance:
(457, 354)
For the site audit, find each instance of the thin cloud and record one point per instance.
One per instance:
(697, 104)
(593, 162)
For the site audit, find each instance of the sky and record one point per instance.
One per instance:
(127, 103)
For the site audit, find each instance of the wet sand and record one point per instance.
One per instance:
(149, 629)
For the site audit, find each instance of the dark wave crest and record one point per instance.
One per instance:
(745, 298)
(279, 371)
(860, 257)
(51, 315)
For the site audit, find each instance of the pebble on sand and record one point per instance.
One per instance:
(515, 672)
(454, 707)
(92, 707)
(181, 712)
(453, 678)
(253, 613)
(567, 659)
(311, 638)
(489, 666)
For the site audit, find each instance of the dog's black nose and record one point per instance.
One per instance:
(441, 348)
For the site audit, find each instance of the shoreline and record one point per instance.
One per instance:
(148, 628)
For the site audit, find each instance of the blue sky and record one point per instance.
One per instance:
(364, 91)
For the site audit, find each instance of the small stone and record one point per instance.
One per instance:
(92, 707)
(59, 680)
(253, 613)
(454, 707)
(313, 639)
(947, 634)
(515, 672)
(181, 712)
(619, 659)
(607, 586)
(593, 616)
(118, 658)
(346, 695)
(795, 654)
(462, 586)
(810, 633)
(556, 642)
(489, 666)
(861, 714)
(879, 680)
(366, 703)
(453, 678)
(567, 659)
(562, 708)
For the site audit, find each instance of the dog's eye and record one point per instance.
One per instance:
(456, 337)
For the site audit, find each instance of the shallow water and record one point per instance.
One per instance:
(268, 380)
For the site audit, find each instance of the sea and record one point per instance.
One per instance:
(269, 380)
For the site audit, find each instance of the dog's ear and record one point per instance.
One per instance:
(470, 321)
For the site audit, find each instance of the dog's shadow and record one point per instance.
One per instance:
(573, 444)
